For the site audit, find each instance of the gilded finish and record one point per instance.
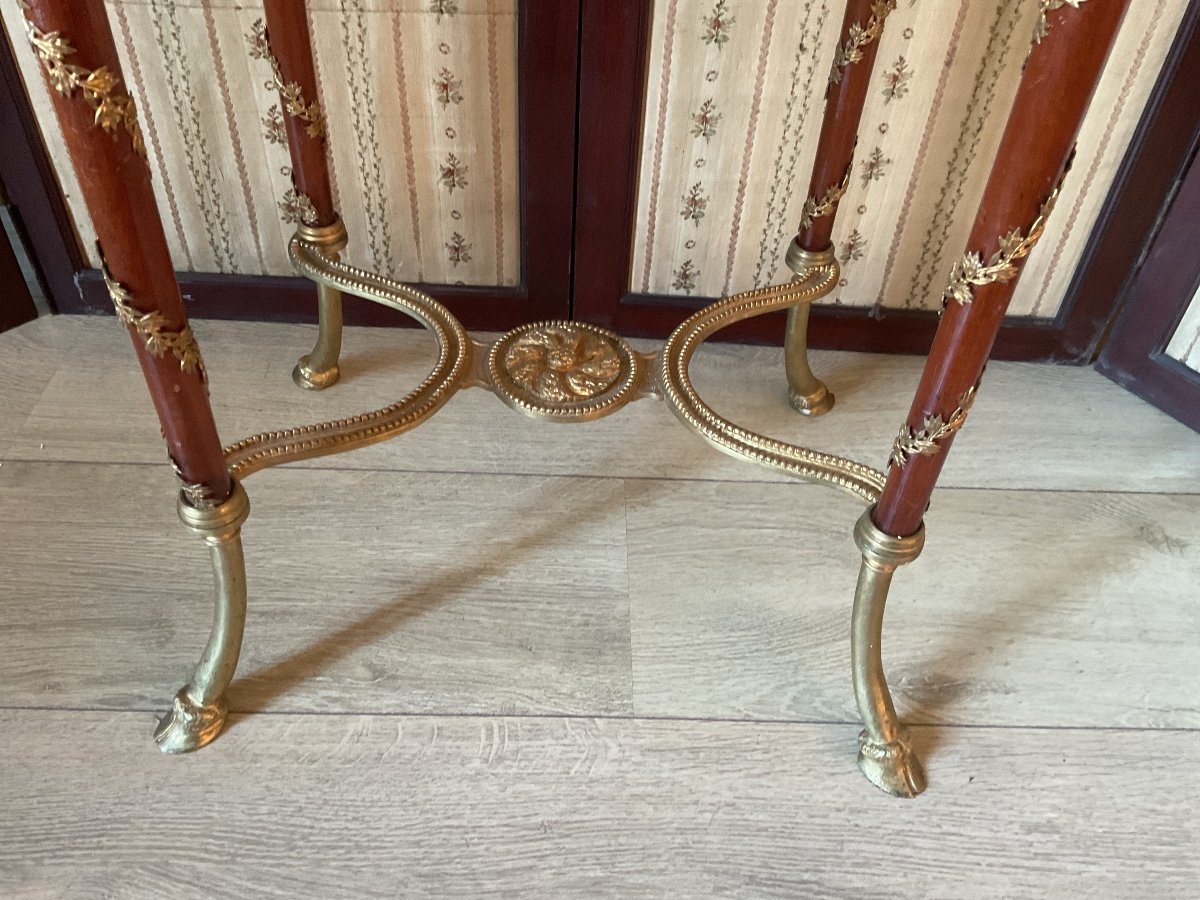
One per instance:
(198, 495)
(330, 239)
(851, 50)
(807, 394)
(289, 91)
(1042, 27)
(198, 711)
(100, 88)
(448, 375)
(970, 271)
(581, 354)
(319, 369)
(297, 208)
(884, 753)
(818, 280)
(560, 371)
(564, 371)
(927, 440)
(826, 206)
(152, 328)
(559, 362)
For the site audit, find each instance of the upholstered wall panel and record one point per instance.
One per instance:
(1185, 343)
(733, 106)
(421, 101)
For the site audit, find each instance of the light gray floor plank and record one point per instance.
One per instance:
(1025, 608)
(392, 592)
(1033, 426)
(447, 583)
(29, 358)
(368, 591)
(332, 806)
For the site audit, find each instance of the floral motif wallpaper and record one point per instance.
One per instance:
(421, 98)
(734, 98)
(421, 102)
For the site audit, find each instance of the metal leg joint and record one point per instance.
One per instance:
(319, 369)
(884, 753)
(198, 712)
(807, 394)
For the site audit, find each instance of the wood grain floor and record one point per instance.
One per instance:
(498, 658)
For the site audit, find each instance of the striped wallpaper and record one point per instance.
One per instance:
(421, 101)
(733, 105)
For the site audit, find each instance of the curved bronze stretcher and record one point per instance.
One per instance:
(199, 709)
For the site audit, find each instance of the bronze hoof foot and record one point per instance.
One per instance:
(189, 725)
(816, 403)
(891, 767)
(315, 379)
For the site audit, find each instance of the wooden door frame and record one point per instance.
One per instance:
(1135, 354)
(33, 192)
(614, 56)
(547, 92)
(16, 303)
(1154, 285)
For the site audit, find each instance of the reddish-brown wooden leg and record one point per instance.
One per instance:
(286, 46)
(1056, 87)
(75, 46)
(849, 81)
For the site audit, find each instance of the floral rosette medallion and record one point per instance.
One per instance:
(564, 371)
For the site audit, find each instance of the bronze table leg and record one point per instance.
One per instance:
(319, 369)
(883, 751)
(1064, 65)
(198, 712)
(75, 45)
(845, 97)
(285, 44)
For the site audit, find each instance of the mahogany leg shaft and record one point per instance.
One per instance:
(1064, 65)
(287, 46)
(288, 49)
(74, 43)
(849, 82)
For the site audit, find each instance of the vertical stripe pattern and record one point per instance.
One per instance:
(219, 169)
(197, 152)
(410, 168)
(664, 87)
(717, 200)
(748, 153)
(719, 197)
(497, 140)
(235, 140)
(164, 188)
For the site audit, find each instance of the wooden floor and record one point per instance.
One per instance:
(497, 657)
